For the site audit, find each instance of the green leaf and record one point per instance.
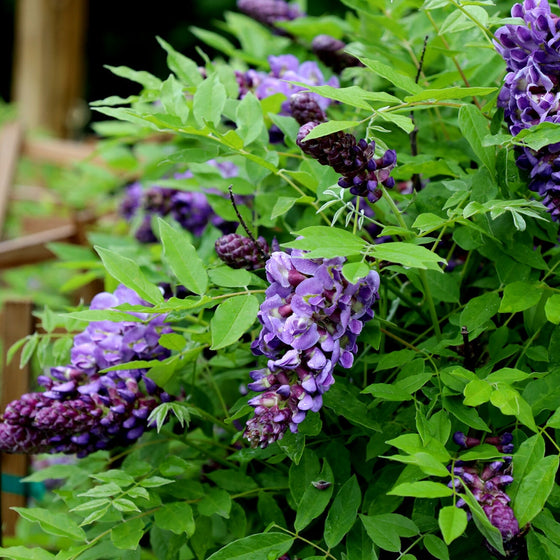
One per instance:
(231, 319)
(397, 78)
(184, 68)
(546, 522)
(24, 553)
(479, 310)
(127, 272)
(552, 309)
(477, 392)
(255, 547)
(324, 241)
(176, 517)
(58, 524)
(230, 277)
(449, 93)
(329, 127)
(31, 342)
(530, 452)
(127, 535)
(407, 254)
(436, 547)
(385, 530)
(536, 137)
(474, 128)
(209, 101)
(519, 296)
(215, 501)
(149, 81)
(421, 489)
(534, 489)
(314, 501)
(249, 119)
(452, 522)
(388, 392)
(343, 512)
(355, 270)
(183, 259)
(511, 403)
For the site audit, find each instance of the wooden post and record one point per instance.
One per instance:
(16, 322)
(49, 63)
(10, 145)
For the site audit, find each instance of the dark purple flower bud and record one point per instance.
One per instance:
(269, 12)
(467, 442)
(238, 251)
(305, 108)
(330, 52)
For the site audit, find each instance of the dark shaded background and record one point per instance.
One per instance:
(120, 33)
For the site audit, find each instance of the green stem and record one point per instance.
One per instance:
(430, 301)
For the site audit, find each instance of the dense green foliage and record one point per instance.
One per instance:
(465, 337)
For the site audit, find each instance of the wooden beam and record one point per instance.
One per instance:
(10, 142)
(16, 322)
(49, 69)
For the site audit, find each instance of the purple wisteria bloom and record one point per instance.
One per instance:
(311, 318)
(270, 12)
(531, 91)
(190, 209)
(283, 70)
(83, 409)
(487, 482)
(238, 251)
(361, 171)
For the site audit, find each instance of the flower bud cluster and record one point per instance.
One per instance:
(190, 209)
(355, 160)
(83, 409)
(311, 319)
(531, 91)
(487, 482)
(270, 12)
(330, 52)
(238, 251)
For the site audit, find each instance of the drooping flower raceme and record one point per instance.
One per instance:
(82, 409)
(487, 482)
(361, 171)
(531, 91)
(190, 209)
(311, 318)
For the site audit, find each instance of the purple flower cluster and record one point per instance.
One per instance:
(487, 482)
(270, 12)
(311, 318)
(531, 91)
(82, 409)
(355, 160)
(284, 69)
(191, 209)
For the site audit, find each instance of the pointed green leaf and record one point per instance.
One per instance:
(452, 522)
(343, 512)
(255, 547)
(183, 259)
(231, 319)
(127, 272)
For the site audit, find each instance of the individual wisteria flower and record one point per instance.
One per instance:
(487, 482)
(83, 409)
(270, 12)
(238, 251)
(330, 52)
(355, 160)
(531, 91)
(190, 209)
(311, 318)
